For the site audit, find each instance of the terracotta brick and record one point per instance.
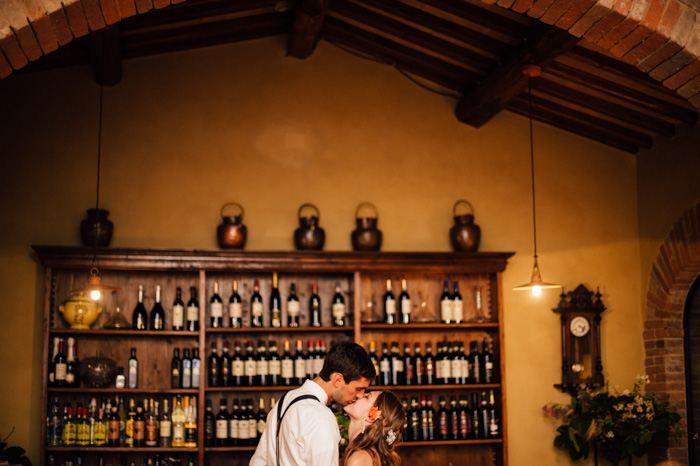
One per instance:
(695, 101)
(164, 3)
(684, 57)
(669, 19)
(93, 13)
(653, 370)
(539, 7)
(681, 233)
(59, 21)
(127, 8)
(143, 6)
(110, 11)
(15, 15)
(180, 1)
(643, 31)
(35, 13)
(598, 11)
(5, 67)
(636, 14)
(667, 332)
(76, 18)
(505, 3)
(654, 324)
(606, 24)
(683, 76)
(678, 31)
(10, 45)
(648, 335)
(521, 6)
(573, 14)
(672, 258)
(489, 2)
(558, 8)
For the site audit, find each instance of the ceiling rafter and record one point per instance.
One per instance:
(309, 16)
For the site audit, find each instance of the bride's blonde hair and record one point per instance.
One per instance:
(377, 439)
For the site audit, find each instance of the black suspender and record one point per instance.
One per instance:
(280, 416)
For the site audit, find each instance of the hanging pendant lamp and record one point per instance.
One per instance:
(535, 285)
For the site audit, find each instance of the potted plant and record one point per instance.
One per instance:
(618, 425)
(12, 455)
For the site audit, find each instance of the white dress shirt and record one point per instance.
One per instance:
(309, 435)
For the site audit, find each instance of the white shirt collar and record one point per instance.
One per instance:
(317, 390)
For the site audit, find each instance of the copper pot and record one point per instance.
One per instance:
(309, 236)
(464, 234)
(96, 230)
(232, 233)
(366, 236)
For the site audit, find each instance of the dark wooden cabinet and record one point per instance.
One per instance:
(362, 277)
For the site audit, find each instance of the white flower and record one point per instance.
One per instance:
(609, 434)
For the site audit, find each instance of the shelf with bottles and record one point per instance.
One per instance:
(101, 333)
(425, 326)
(437, 387)
(451, 442)
(123, 449)
(124, 391)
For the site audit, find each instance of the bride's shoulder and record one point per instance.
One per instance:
(359, 458)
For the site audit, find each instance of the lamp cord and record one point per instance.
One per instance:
(532, 164)
(99, 156)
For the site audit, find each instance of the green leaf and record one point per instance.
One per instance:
(14, 452)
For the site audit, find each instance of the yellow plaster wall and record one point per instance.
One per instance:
(183, 133)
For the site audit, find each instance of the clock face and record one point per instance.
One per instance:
(579, 326)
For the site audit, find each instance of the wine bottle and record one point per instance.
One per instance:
(443, 431)
(293, 307)
(338, 307)
(475, 362)
(178, 423)
(130, 419)
(139, 320)
(446, 304)
(429, 364)
(151, 432)
(319, 356)
(465, 421)
(453, 419)
(299, 364)
(424, 427)
(196, 367)
(487, 376)
(222, 423)
(444, 365)
(252, 425)
(213, 369)
(397, 369)
(235, 307)
(157, 318)
(385, 366)
(113, 428)
(233, 431)
(165, 426)
(256, 306)
(409, 365)
(237, 367)
(494, 428)
(287, 365)
(413, 415)
(262, 367)
(186, 369)
(405, 304)
(275, 304)
(274, 364)
(139, 428)
(70, 427)
(190, 422)
(133, 365)
(373, 356)
(431, 418)
(310, 355)
(178, 311)
(476, 424)
(465, 364)
(61, 364)
(457, 305)
(484, 421)
(192, 322)
(260, 419)
(72, 374)
(420, 365)
(82, 432)
(52, 363)
(225, 367)
(211, 426)
(315, 306)
(389, 305)
(176, 370)
(216, 308)
(250, 366)
(457, 359)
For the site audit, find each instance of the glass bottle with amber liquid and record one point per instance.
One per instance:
(139, 320)
(256, 307)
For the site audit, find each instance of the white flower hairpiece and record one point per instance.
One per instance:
(390, 437)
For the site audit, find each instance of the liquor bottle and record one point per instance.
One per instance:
(446, 304)
(69, 426)
(72, 374)
(133, 370)
(213, 367)
(487, 359)
(457, 305)
(315, 306)
(113, 428)
(443, 430)
(165, 426)
(397, 367)
(310, 355)
(373, 356)
(139, 320)
(338, 307)
(484, 420)
(120, 381)
(61, 364)
(260, 419)
(424, 427)
(221, 423)
(413, 418)
(293, 307)
(186, 369)
(275, 304)
(176, 370)
(429, 364)
(211, 426)
(262, 367)
(237, 367)
(465, 364)
(243, 437)
(122, 421)
(190, 422)
(157, 318)
(404, 304)
(216, 308)
(54, 434)
(476, 417)
(389, 305)
(252, 425)
(233, 425)
(130, 419)
(178, 311)
(287, 365)
(384, 366)
(235, 307)
(52, 363)
(192, 311)
(409, 365)
(178, 424)
(139, 428)
(465, 422)
(299, 364)
(99, 431)
(475, 362)
(91, 416)
(274, 365)
(457, 361)
(319, 356)
(256, 306)
(82, 433)
(196, 367)
(250, 366)
(152, 415)
(420, 365)
(431, 418)
(453, 419)
(494, 429)
(225, 367)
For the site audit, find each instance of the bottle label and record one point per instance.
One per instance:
(390, 306)
(261, 427)
(238, 368)
(262, 367)
(217, 310)
(151, 433)
(178, 316)
(252, 428)
(339, 310)
(69, 433)
(186, 376)
(446, 368)
(257, 309)
(178, 434)
(70, 377)
(488, 366)
(139, 430)
(195, 375)
(446, 310)
(465, 368)
(275, 367)
(113, 429)
(318, 365)
(293, 308)
(235, 310)
(384, 366)
(133, 375)
(429, 368)
(129, 432)
(99, 434)
(438, 370)
(243, 430)
(233, 428)
(250, 367)
(221, 428)
(458, 311)
(309, 366)
(399, 365)
(83, 434)
(192, 313)
(61, 371)
(165, 428)
(406, 306)
(300, 368)
(456, 369)
(287, 369)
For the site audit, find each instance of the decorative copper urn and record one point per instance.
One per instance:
(96, 230)
(366, 236)
(232, 233)
(464, 234)
(309, 236)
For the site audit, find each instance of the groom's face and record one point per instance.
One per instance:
(347, 393)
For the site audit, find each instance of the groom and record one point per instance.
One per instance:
(301, 430)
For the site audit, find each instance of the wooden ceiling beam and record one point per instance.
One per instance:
(105, 54)
(309, 16)
(495, 92)
(482, 16)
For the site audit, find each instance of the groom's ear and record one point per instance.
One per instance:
(337, 379)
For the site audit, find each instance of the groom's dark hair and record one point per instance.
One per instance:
(351, 360)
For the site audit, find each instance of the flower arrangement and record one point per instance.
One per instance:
(619, 424)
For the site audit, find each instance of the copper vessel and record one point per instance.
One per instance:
(366, 236)
(309, 236)
(464, 234)
(232, 233)
(96, 230)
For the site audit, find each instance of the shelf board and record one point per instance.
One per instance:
(232, 449)
(75, 448)
(452, 442)
(127, 391)
(272, 388)
(428, 326)
(125, 332)
(346, 329)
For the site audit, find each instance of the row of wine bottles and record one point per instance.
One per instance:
(155, 460)
(141, 425)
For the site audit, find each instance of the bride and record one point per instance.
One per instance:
(376, 422)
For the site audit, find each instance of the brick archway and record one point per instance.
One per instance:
(660, 37)
(676, 268)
